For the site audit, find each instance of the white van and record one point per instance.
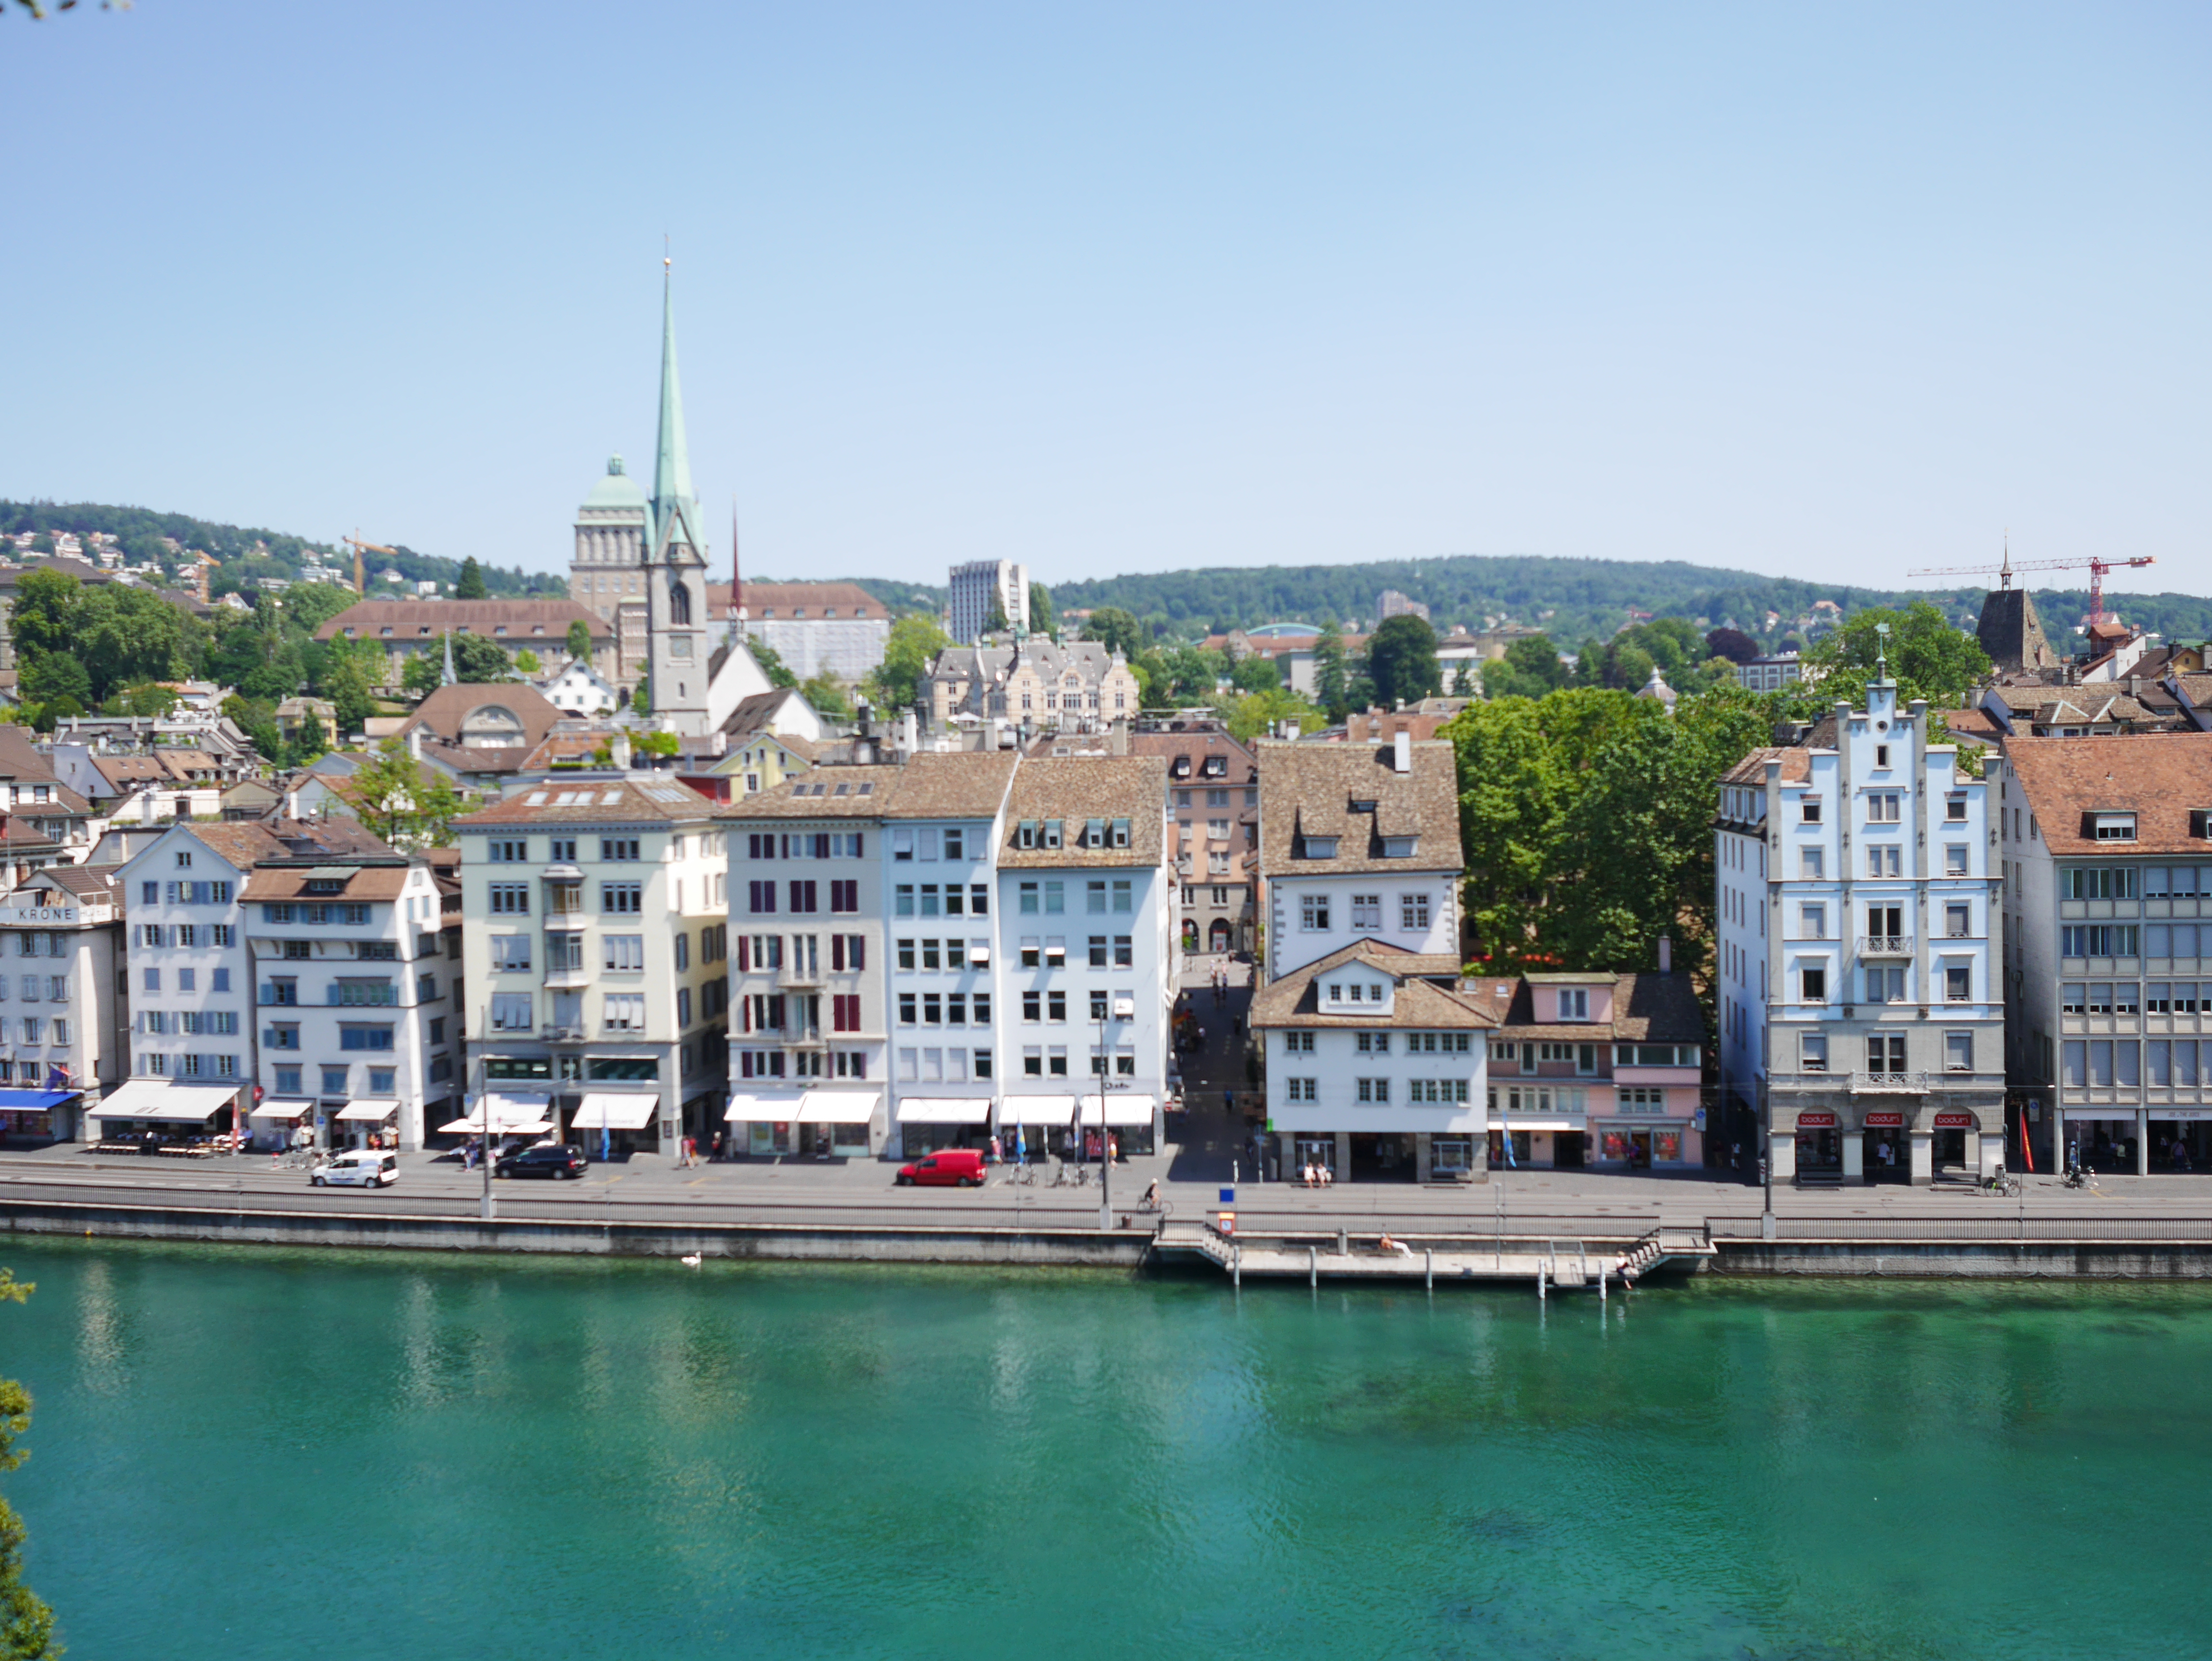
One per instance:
(362, 1168)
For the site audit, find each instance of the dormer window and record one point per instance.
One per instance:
(1216, 767)
(1399, 847)
(1318, 848)
(1094, 833)
(1574, 1003)
(1363, 804)
(1025, 834)
(1051, 834)
(1182, 767)
(2111, 827)
(1120, 833)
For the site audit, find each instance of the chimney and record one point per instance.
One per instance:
(619, 747)
(1666, 955)
(1402, 757)
(909, 732)
(146, 807)
(1117, 738)
(415, 741)
(291, 803)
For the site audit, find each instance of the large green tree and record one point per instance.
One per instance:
(771, 663)
(1042, 618)
(84, 643)
(1402, 662)
(471, 583)
(477, 659)
(1531, 667)
(1253, 713)
(410, 804)
(579, 640)
(1118, 631)
(26, 1625)
(913, 645)
(1927, 658)
(828, 696)
(1332, 685)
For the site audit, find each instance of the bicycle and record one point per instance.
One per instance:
(1023, 1176)
(1999, 1183)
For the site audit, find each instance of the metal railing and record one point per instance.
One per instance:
(1863, 1082)
(1885, 946)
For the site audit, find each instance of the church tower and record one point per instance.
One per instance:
(675, 561)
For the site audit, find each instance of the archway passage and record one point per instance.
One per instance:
(1218, 935)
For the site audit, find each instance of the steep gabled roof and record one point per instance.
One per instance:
(1311, 790)
(1419, 1000)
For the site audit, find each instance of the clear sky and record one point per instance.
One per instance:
(1839, 290)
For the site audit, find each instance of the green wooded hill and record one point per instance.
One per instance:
(245, 554)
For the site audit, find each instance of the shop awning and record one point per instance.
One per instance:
(1036, 1110)
(509, 1115)
(781, 1109)
(1122, 1111)
(614, 1110)
(1538, 1121)
(944, 1110)
(375, 1109)
(157, 1098)
(473, 1126)
(843, 1106)
(284, 1107)
(34, 1101)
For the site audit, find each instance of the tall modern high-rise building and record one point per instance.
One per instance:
(982, 584)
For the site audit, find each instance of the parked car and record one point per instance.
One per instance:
(562, 1163)
(362, 1168)
(951, 1167)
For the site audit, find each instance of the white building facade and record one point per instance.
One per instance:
(63, 1037)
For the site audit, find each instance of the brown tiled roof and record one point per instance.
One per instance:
(242, 843)
(426, 619)
(1243, 765)
(1796, 764)
(1308, 789)
(1075, 789)
(1378, 726)
(1420, 1002)
(2162, 778)
(827, 793)
(968, 785)
(92, 882)
(849, 600)
(1659, 1008)
(445, 711)
(367, 882)
(656, 798)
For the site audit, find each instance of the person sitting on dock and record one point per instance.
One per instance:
(1389, 1246)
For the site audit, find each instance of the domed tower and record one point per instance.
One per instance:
(607, 576)
(675, 573)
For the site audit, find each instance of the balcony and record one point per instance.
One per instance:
(797, 976)
(1885, 946)
(563, 1034)
(566, 917)
(1895, 1084)
(561, 978)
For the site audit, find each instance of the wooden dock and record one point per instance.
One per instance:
(1546, 1264)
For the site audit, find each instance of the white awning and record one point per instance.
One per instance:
(781, 1109)
(522, 1111)
(840, 1106)
(157, 1098)
(1121, 1110)
(284, 1107)
(1538, 1121)
(1036, 1110)
(614, 1110)
(375, 1111)
(944, 1110)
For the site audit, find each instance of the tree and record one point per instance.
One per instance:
(26, 1625)
(1332, 689)
(579, 640)
(257, 719)
(1255, 712)
(826, 693)
(641, 700)
(1401, 661)
(658, 744)
(479, 660)
(439, 806)
(771, 663)
(1530, 669)
(1118, 631)
(471, 583)
(1733, 644)
(914, 643)
(1255, 674)
(1927, 657)
(526, 661)
(424, 673)
(407, 803)
(350, 685)
(1042, 618)
(994, 620)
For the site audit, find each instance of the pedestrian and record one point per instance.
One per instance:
(995, 1154)
(688, 1145)
(1021, 1146)
(1228, 1101)
(1113, 1148)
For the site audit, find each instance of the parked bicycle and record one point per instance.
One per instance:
(1023, 1176)
(1998, 1182)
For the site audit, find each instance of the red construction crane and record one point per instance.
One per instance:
(2003, 573)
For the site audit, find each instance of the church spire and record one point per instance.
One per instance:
(672, 473)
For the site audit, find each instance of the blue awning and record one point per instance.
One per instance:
(35, 1101)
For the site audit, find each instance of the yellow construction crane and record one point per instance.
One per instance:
(360, 582)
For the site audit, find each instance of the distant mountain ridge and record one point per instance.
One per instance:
(246, 554)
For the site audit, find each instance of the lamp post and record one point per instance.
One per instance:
(484, 1115)
(1105, 1135)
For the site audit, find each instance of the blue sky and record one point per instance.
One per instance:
(1846, 290)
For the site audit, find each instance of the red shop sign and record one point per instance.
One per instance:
(1957, 1121)
(1816, 1121)
(1885, 1121)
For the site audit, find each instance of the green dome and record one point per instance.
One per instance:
(617, 490)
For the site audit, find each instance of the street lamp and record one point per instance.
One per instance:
(484, 1111)
(1105, 1135)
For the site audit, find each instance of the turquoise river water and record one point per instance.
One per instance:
(243, 1455)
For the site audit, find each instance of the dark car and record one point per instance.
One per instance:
(949, 1167)
(562, 1163)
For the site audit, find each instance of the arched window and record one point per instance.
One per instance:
(679, 604)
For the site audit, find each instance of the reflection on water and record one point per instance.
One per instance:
(537, 1460)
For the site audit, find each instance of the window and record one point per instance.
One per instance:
(1032, 1006)
(2099, 940)
(1813, 984)
(504, 851)
(1094, 897)
(845, 896)
(364, 1037)
(1302, 1089)
(1055, 897)
(1372, 1043)
(1885, 860)
(2096, 882)
(1958, 920)
(1809, 863)
(1027, 900)
(1813, 922)
(510, 954)
(561, 851)
(1885, 985)
(1882, 808)
(1375, 1090)
(2112, 827)
(1958, 983)
(1033, 1061)
(510, 899)
(1055, 1056)
(1414, 913)
(1123, 956)
(1954, 810)
(1367, 911)
(1313, 913)
(625, 1012)
(1882, 755)
(622, 898)
(1812, 810)
(1299, 1043)
(624, 953)
(1954, 859)
(510, 1012)
(803, 897)
(1574, 1003)
(1812, 1052)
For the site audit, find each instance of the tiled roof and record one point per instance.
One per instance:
(2161, 777)
(1376, 726)
(446, 710)
(1796, 764)
(827, 793)
(370, 882)
(1419, 1001)
(968, 785)
(1308, 790)
(1243, 766)
(1073, 789)
(654, 799)
(1657, 1009)
(786, 600)
(426, 619)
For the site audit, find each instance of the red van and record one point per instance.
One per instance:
(949, 1168)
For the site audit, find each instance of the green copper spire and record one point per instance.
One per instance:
(672, 473)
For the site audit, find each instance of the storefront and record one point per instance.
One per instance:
(927, 1123)
(275, 1124)
(1316, 1153)
(607, 1122)
(1046, 1124)
(1540, 1141)
(1451, 1158)
(1885, 1154)
(372, 1121)
(518, 1117)
(843, 1124)
(154, 1114)
(2180, 1140)
(37, 1116)
(1133, 1120)
(1819, 1146)
(762, 1125)
(1957, 1141)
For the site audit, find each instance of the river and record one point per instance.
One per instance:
(244, 1454)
